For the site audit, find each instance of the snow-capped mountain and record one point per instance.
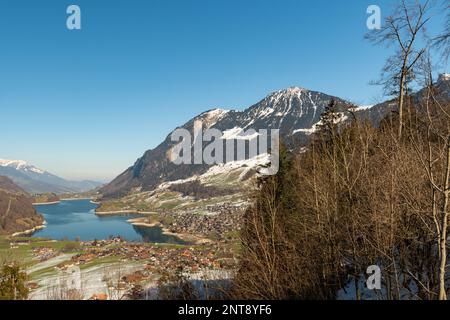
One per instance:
(35, 180)
(293, 111)
(288, 110)
(20, 165)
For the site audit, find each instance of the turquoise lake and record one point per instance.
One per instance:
(77, 219)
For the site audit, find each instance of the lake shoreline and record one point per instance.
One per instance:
(60, 200)
(29, 231)
(123, 212)
(45, 203)
(195, 239)
(78, 219)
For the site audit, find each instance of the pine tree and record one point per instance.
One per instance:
(329, 120)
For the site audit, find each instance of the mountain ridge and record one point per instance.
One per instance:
(35, 180)
(288, 109)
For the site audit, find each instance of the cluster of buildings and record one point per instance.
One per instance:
(223, 220)
(44, 253)
(157, 258)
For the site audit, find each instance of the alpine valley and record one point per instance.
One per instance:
(156, 216)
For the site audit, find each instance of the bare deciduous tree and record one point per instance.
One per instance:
(402, 29)
(442, 41)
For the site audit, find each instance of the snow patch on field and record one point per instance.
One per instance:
(166, 185)
(260, 160)
(239, 134)
(306, 131)
(362, 108)
(224, 168)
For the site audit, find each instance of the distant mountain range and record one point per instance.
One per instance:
(294, 111)
(35, 181)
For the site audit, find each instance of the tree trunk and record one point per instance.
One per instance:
(401, 100)
(444, 226)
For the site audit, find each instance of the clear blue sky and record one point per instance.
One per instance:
(87, 104)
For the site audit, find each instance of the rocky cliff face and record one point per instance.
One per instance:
(17, 213)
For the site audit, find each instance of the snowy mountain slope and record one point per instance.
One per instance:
(294, 111)
(20, 165)
(291, 111)
(35, 180)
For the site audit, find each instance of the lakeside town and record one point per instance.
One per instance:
(134, 265)
(195, 151)
(208, 252)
